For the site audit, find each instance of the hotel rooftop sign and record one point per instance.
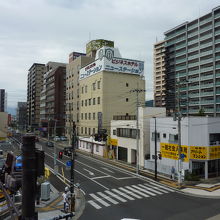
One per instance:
(109, 59)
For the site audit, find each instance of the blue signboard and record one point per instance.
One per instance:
(68, 163)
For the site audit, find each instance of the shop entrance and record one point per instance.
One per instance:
(123, 154)
(198, 168)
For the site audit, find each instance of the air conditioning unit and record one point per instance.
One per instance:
(45, 191)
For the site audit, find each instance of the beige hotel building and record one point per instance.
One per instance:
(105, 90)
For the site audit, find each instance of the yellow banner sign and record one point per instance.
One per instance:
(114, 142)
(214, 152)
(171, 151)
(198, 153)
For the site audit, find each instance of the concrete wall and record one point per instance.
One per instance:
(3, 125)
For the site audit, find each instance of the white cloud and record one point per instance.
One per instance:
(48, 30)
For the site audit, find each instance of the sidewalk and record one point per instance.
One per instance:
(204, 188)
(52, 208)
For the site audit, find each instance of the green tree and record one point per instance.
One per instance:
(201, 112)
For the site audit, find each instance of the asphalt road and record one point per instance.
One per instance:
(112, 193)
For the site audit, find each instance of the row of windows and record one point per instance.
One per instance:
(91, 101)
(89, 146)
(173, 138)
(89, 116)
(87, 131)
(94, 85)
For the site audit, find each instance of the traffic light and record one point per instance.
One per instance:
(159, 156)
(104, 137)
(96, 137)
(60, 154)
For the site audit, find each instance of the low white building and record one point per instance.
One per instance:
(91, 146)
(200, 145)
(123, 141)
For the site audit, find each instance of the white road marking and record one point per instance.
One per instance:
(123, 194)
(114, 195)
(90, 173)
(158, 188)
(99, 199)
(166, 188)
(94, 204)
(99, 177)
(131, 193)
(107, 169)
(107, 198)
(153, 190)
(144, 190)
(136, 191)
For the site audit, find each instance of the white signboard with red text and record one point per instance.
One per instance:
(108, 59)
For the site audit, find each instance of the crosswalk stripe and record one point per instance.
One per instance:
(136, 191)
(166, 188)
(94, 204)
(123, 194)
(99, 200)
(131, 193)
(108, 198)
(152, 190)
(158, 188)
(144, 190)
(117, 197)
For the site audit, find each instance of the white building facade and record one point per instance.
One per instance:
(200, 145)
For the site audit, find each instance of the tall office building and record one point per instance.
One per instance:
(3, 102)
(159, 74)
(52, 99)
(76, 62)
(34, 87)
(21, 115)
(193, 65)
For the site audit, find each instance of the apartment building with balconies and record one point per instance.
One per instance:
(34, 87)
(159, 74)
(192, 61)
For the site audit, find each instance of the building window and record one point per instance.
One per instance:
(93, 130)
(173, 138)
(153, 136)
(89, 116)
(81, 116)
(97, 148)
(93, 86)
(98, 100)
(86, 102)
(89, 131)
(85, 116)
(93, 101)
(114, 132)
(99, 84)
(85, 89)
(126, 84)
(81, 130)
(82, 102)
(127, 132)
(85, 130)
(82, 89)
(126, 99)
(93, 115)
(164, 135)
(89, 101)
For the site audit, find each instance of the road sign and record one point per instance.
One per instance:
(69, 163)
(182, 156)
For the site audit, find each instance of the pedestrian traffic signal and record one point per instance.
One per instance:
(60, 154)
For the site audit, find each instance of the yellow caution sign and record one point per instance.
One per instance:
(114, 142)
(46, 172)
(214, 152)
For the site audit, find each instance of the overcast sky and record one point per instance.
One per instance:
(48, 30)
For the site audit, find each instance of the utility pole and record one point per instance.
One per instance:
(55, 154)
(179, 134)
(72, 206)
(28, 178)
(137, 125)
(155, 149)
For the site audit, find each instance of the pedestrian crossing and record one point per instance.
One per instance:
(126, 193)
